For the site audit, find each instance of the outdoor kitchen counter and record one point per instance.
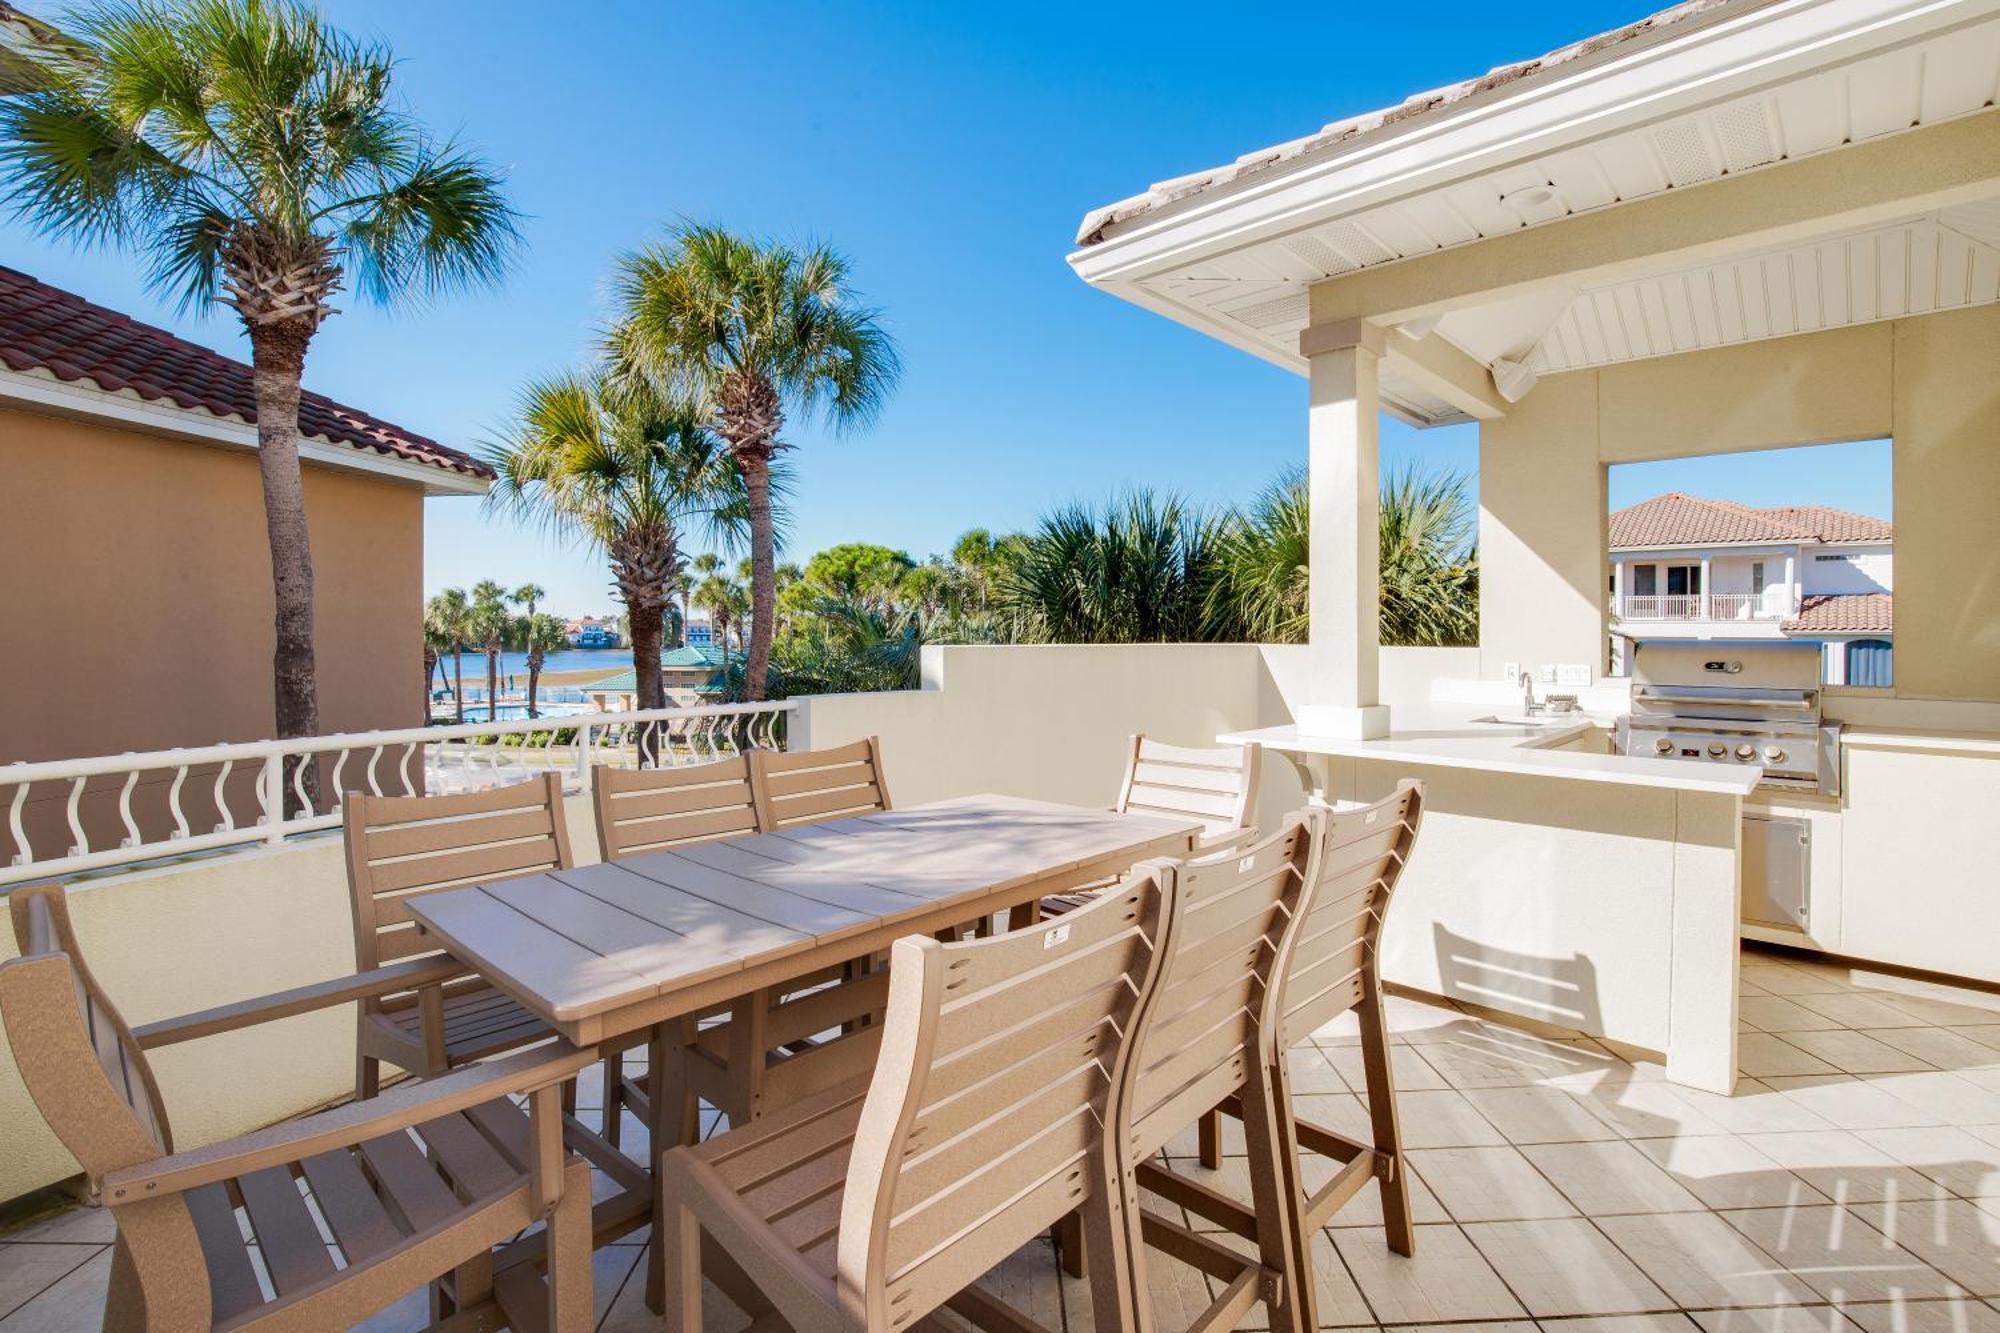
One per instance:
(1585, 889)
(1449, 735)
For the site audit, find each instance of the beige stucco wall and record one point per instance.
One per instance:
(139, 593)
(1928, 383)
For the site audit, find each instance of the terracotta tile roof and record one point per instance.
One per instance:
(1344, 133)
(1844, 613)
(1679, 519)
(46, 328)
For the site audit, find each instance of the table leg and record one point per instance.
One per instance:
(663, 1132)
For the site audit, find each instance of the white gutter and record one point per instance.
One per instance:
(40, 391)
(1625, 86)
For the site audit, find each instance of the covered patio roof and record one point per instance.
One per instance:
(1751, 152)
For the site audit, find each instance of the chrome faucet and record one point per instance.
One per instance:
(1528, 705)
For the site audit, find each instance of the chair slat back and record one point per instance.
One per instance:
(1198, 1039)
(1333, 955)
(79, 1060)
(654, 809)
(989, 1098)
(1216, 786)
(810, 786)
(402, 847)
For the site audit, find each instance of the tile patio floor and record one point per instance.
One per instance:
(1853, 1182)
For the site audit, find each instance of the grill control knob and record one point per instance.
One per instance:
(1775, 755)
(1746, 752)
(1663, 746)
(1717, 749)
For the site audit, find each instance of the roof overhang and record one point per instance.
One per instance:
(40, 391)
(1732, 93)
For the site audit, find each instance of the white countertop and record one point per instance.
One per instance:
(1446, 735)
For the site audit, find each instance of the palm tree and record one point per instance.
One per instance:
(541, 634)
(753, 331)
(445, 615)
(487, 626)
(528, 595)
(623, 470)
(436, 643)
(254, 156)
(1137, 571)
(727, 604)
(1266, 558)
(704, 566)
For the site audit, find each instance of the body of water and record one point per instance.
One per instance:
(570, 659)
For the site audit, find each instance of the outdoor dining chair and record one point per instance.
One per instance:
(1332, 964)
(1202, 1037)
(400, 847)
(872, 1205)
(416, 1186)
(812, 1034)
(1216, 786)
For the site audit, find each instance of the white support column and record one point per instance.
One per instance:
(1341, 692)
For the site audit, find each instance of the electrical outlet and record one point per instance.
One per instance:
(1511, 673)
(1573, 673)
(1548, 674)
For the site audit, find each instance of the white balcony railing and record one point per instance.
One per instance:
(70, 815)
(1699, 606)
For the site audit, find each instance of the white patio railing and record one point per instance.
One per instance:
(1698, 606)
(70, 815)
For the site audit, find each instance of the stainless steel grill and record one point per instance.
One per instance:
(1742, 702)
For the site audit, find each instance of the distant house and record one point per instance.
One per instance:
(593, 632)
(1687, 567)
(693, 675)
(699, 631)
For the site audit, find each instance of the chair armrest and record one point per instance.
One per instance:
(411, 975)
(346, 1126)
(1229, 841)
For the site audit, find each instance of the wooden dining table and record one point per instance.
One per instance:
(606, 951)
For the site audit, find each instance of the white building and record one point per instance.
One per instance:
(1687, 567)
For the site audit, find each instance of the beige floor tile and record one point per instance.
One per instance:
(1565, 1266)
(1540, 1115)
(1985, 1033)
(26, 1271)
(76, 1224)
(1848, 1102)
(1621, 1323)
(1309, 1069)
(1724, 1171)
(1951, 1235)
(74, 1302)
(1754, 1108)
(1952, 1098)
(1485, 1326)
(1843, 1167)
(1488, 1184)
(1862, 1011)
(1407, 1066)
(1859, 1053)
(1782, 979)
(1763, 1054)
(1777, 1013)
(1443, 1118)
(1648, 1110)
(1774, 1319)
(1612, 1177)
(1963, 1163)
(1364, 1210)
(1839, 1255)
(1445, 1279)
(1700, 1260)
(1943, 1006)
(1940, 1046)
(1499, 1058)
(1946, 1316)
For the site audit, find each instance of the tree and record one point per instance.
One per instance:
(487, 625)
(541, 634)
(436, 644)
(727, 604)
(1137, 571)
(446, 616)
(625, 471)
(753, 331)
(253, 155)
(528, 595)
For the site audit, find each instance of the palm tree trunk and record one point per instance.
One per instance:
(492, 683)
(756, 468)
(277, 358)
(458, 685)
(647, 627)
(534, 682)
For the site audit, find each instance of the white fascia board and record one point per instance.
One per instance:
(40, 391)
(1625, 86)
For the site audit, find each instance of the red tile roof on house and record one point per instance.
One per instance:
(1844, 613)
(1678, 519)
(46, 328)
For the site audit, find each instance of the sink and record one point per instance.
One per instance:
(1544, 720)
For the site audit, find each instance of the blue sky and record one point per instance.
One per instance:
(950, 151)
